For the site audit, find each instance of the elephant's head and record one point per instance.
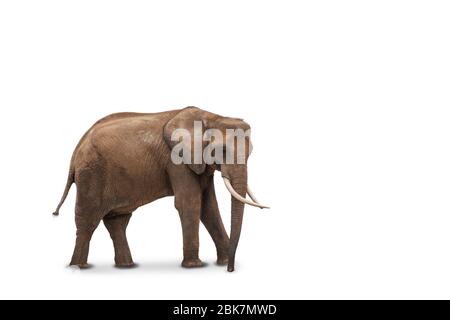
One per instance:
(223, 148)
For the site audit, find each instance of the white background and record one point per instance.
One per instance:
(349, 105)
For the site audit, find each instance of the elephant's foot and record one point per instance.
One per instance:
(125, 265)
(82, 265)
(192, 263)
(222, 254)
(123, 259)
(222, 260)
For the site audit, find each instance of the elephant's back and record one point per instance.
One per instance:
(127, 152)
(123, 119)
(125, 137)
(128, 117)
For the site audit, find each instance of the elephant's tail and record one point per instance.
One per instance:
(70, 180)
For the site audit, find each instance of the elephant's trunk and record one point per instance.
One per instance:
(238, 178)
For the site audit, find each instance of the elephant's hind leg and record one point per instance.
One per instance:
(117, 225)
(89, 211)
(86, 224)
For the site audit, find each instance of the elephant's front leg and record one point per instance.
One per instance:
(188, 200)
(190, 219)
(213, 222)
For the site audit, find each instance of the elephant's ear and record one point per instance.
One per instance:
(176, 129)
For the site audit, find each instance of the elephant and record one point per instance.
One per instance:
(124, 162)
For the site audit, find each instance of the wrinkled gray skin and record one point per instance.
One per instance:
(123, 162)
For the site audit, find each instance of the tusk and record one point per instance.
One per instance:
(239, 197)
(252, 196)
